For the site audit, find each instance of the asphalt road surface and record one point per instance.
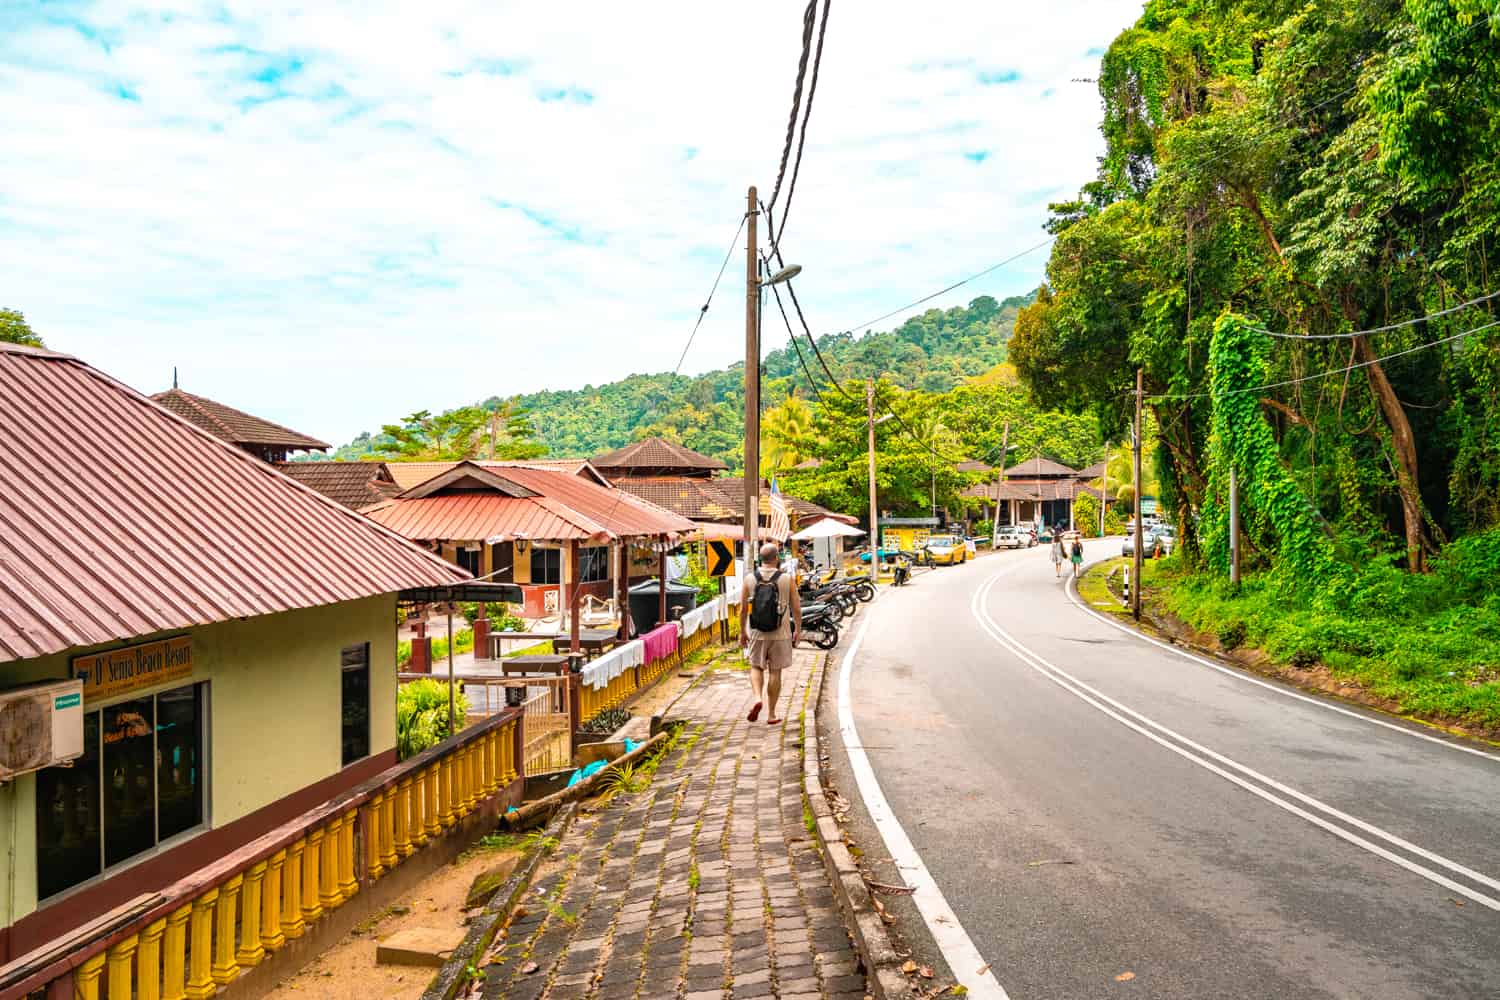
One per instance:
(1109, 818)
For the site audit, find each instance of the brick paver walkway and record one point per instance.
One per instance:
(705, 885)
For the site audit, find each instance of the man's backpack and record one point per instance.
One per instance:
(765, 603)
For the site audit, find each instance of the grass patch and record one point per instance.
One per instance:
(1420, 642)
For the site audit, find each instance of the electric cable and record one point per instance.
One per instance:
(812, 89)
(709, 301)
(1377, 329)
(808, 17)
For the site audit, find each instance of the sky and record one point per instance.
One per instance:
(332, 215)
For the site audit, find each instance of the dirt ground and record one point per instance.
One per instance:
(347, 971)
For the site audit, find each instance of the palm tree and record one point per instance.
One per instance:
(1121, 467)
(787, 431)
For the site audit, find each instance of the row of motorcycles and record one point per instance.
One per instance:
(827, 602)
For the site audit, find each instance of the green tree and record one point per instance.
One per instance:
(15, 330)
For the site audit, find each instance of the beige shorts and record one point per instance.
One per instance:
(770, 654)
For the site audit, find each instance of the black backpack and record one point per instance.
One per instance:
(765, 603)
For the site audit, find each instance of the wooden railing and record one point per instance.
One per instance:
(202, 933)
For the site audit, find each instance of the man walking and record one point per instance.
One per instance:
(770, 616)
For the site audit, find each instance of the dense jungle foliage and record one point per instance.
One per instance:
(1315, 169)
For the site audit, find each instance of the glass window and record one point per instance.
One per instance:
(140, 780)
(356, 702)
(470, 559)
(546, 565)
(67, 818)
(593, 564)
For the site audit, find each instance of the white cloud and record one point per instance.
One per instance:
(336, 215)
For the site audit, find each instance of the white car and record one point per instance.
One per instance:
(1011, 536)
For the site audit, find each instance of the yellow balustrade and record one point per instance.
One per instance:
(348, 883)
(86, 979)
(487, 762)
(419, 808)
(270, 908)
(445, 793)
(174, 955)
(291, 890)
(120, 966)
(225, 967)
(372, 836)
(311, 863)
(200, 982)
(401, 831)
(251, 950)
(387, 834)
(431, 810)
(329, 894)
(148, 965)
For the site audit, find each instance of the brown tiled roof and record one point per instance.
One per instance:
(657, 455)
(800, 509)
(1095, 471)
(235, 426)
(720, 499)
(409, 474)
(972, 466)
(1031, 489)
(1039, 466)
(120, 519)
(353, 484)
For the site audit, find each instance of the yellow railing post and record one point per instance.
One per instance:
(291, 891)
(431, 811)
(445, 793)
(486, 764)
(174, 955)
(372, 837)
(460, 782)
(86, 979)
(225, 968)
(311, 908)
(402, 829)
(200, 983)
(419, 808)
(270, 903)
(121, 966)
(329, 894)
(348, 883)
(251, 951)
(148, 962)
(387, 830)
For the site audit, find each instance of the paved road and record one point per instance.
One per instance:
(1091, 805)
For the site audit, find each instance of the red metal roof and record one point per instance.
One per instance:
(119, 518)
(567, 506)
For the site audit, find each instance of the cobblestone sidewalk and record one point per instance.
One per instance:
(707, 884)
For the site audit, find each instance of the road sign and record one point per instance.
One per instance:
(720, 557)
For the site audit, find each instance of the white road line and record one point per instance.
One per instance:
(1450, 744)
(1114, 710)
(969, 967)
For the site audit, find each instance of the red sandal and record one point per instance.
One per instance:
(754, 712)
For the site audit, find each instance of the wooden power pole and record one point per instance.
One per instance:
(1104, 499)
(752, 388)
(1234, 528)
(1135, 588)
(874, 510)
(1000, 478)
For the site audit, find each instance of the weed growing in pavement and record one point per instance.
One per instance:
(693, 877)
(808, 819)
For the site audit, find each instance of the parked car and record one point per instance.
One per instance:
(947, 550)
(1149, 544)
(1014, 536)
(1166, 536)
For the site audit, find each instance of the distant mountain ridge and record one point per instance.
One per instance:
(933, 352)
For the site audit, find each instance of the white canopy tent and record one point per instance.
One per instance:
(825, 541)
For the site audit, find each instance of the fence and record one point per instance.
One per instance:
(204, 931)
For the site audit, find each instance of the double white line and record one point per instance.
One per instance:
(1370, 837)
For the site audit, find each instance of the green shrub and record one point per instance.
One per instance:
(422, 715)
(1469, 568)
(1232, 635)
(1086, 515)
(502, 618)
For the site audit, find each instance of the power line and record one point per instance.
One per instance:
(808, 17)
(812, 89)
(709, 301)
(776, 251)
(1331, 371)
(1378, 329)
(811, 382)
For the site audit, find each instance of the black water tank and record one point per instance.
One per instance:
(645, 601)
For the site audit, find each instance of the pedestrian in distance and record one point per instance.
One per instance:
(770, 618)
(1058, 554)
(1076, 555)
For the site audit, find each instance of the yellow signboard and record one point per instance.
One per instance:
(720, 557)
(116, 671)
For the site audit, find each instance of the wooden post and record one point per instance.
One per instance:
(661, 571)
(572, 584)
(1234, 528)
(452, 717)
(874, 509)
(1104, 489)
(1000, 478)
(622, 589)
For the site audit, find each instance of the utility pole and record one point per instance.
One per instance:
(1135, 590)
(1104, 500)
(1000, 478)
(874, 510)
(752, 388)
(1234, 528)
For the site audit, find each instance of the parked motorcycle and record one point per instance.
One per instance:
(820, 624)
(838, 593)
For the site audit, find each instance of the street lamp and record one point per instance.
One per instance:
(785, 274)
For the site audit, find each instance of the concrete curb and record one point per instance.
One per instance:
(882, 962)
(453, 976)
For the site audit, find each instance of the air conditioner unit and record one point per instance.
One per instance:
(40, 725)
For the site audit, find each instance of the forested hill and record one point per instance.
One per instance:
(932, 352)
